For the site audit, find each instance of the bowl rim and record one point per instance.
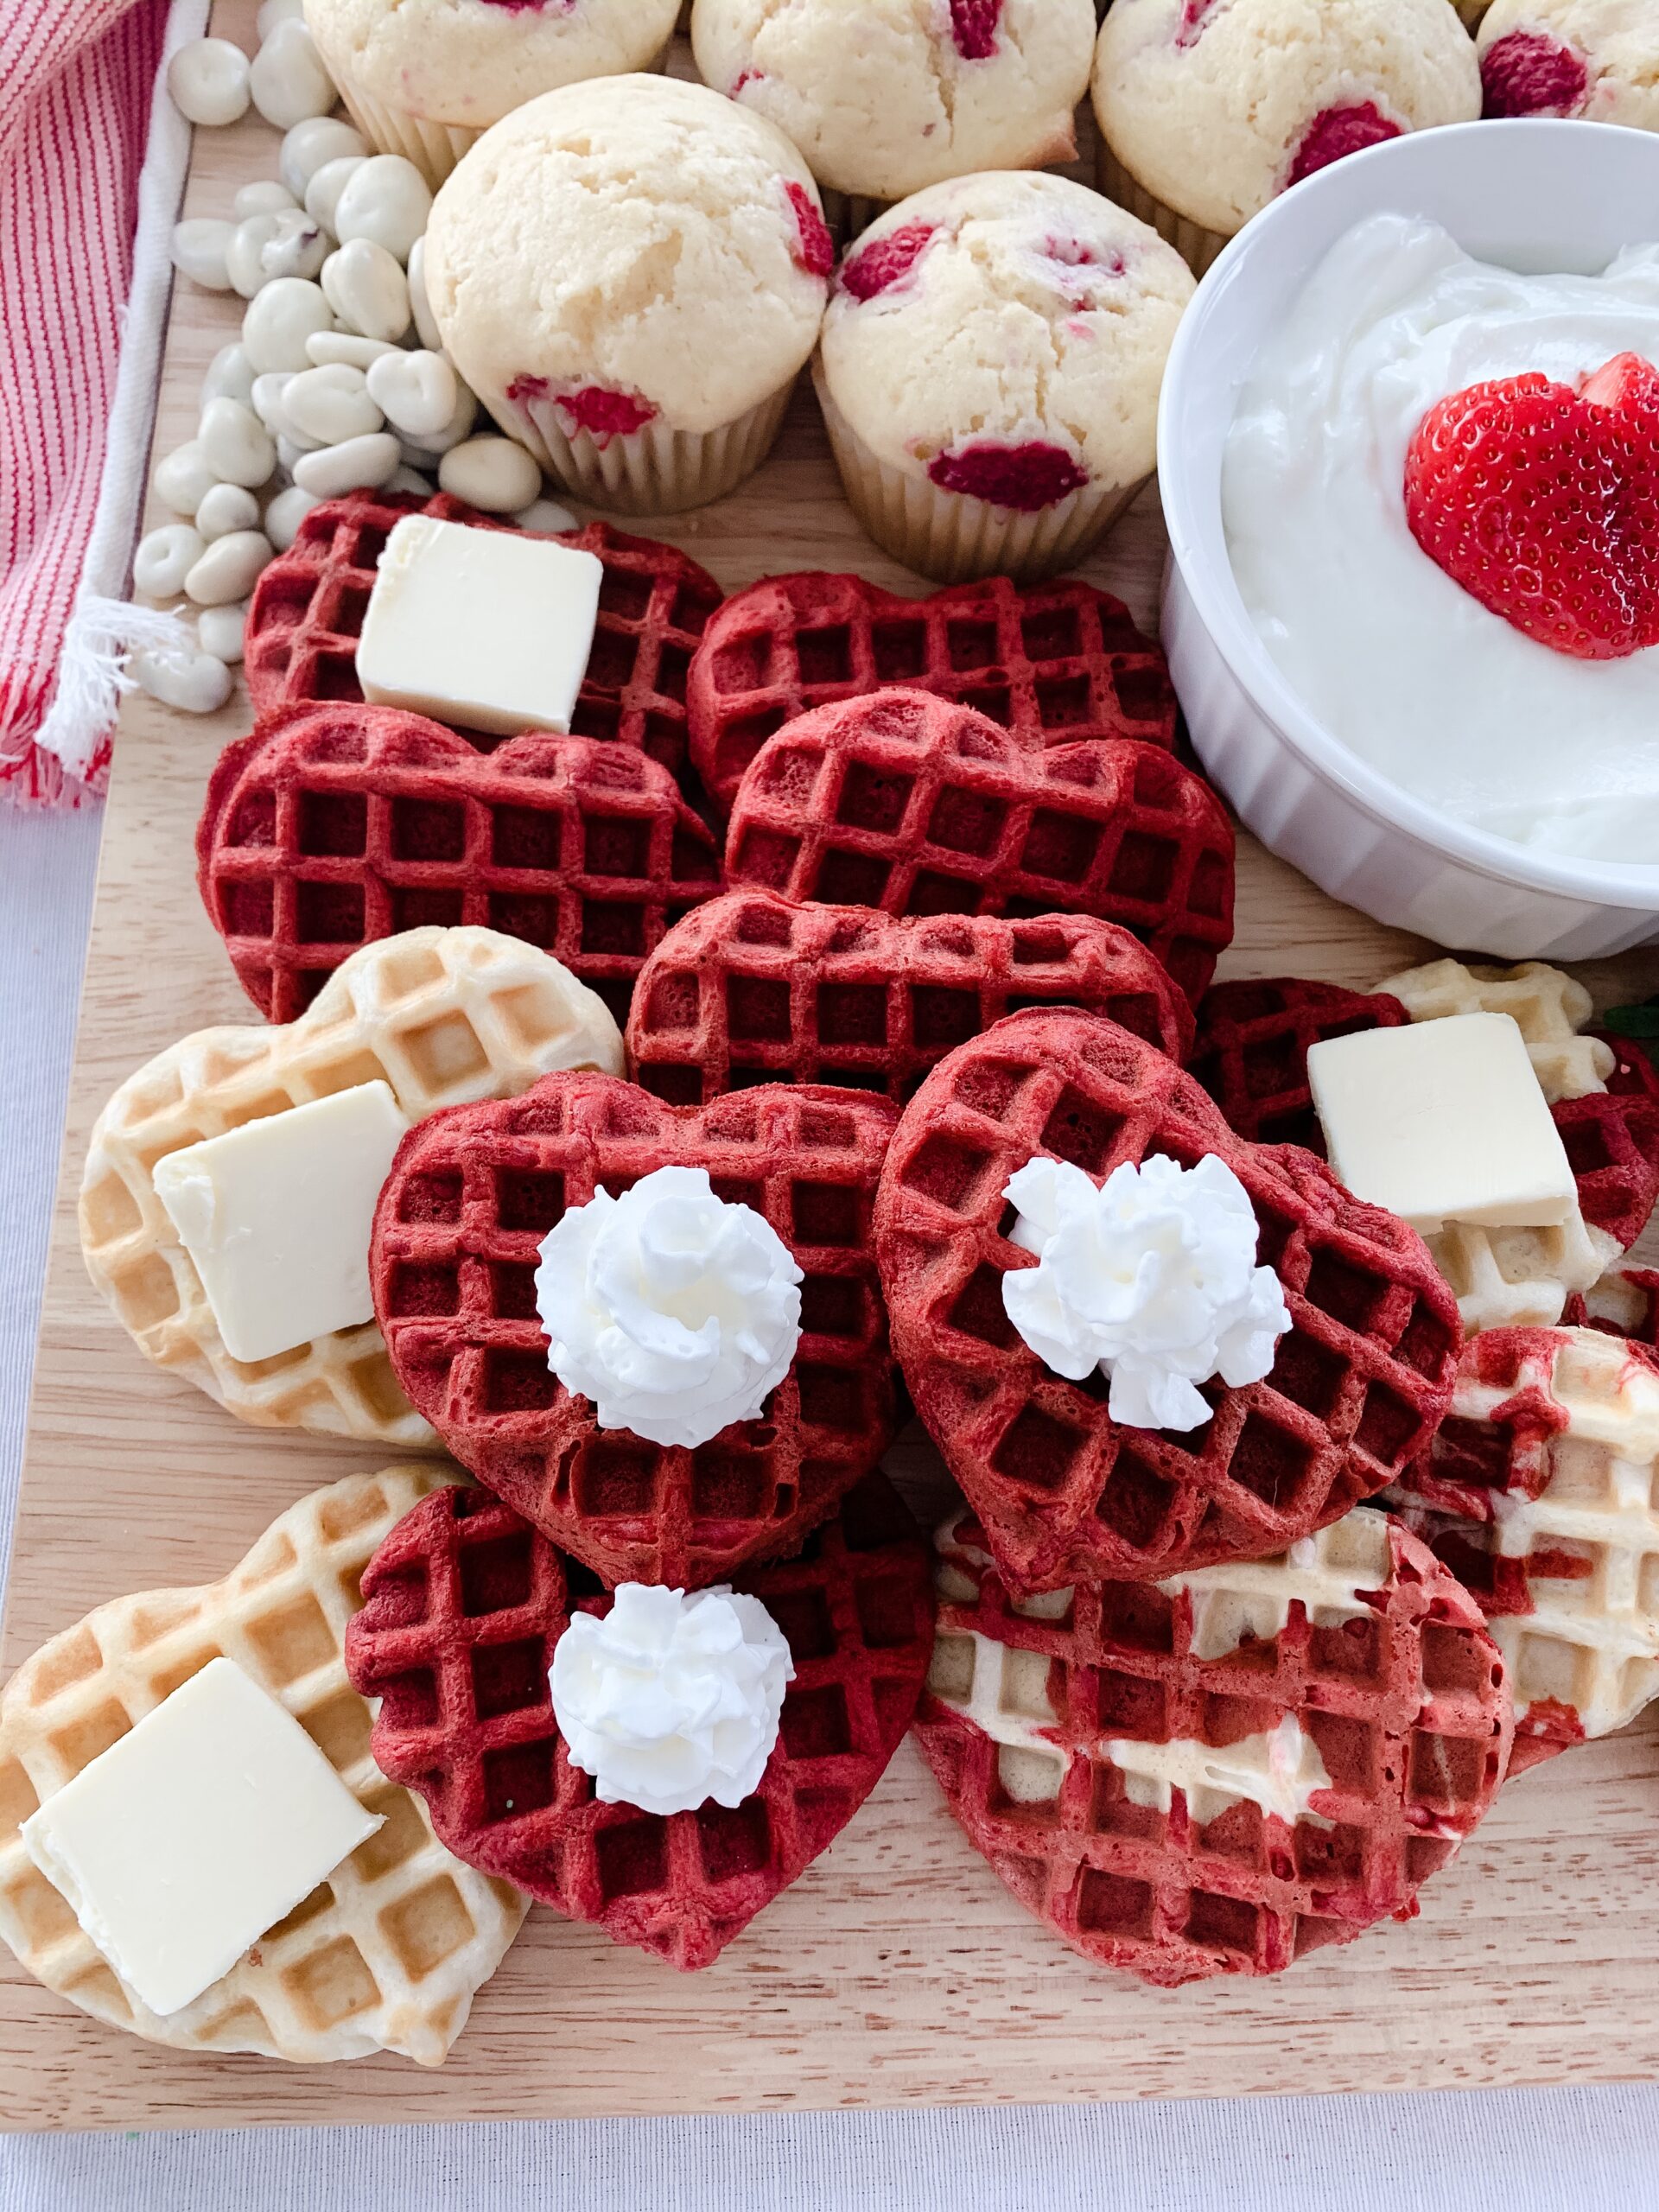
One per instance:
(1214, 590)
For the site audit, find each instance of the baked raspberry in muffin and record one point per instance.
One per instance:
(424, 77)
(629, 273)
(1209, 109)
(989, 371)
(886, 96)
(1595, 58)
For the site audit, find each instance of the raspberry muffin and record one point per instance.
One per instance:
(886, 96)
(1596, 58)
(424, 77)
(629, 273)
(1209, 109)
(990, 369)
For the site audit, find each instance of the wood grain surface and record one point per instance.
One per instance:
(899, 1970)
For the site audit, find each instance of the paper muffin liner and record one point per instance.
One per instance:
(1197, 246)
(655, 470)
(952, 538)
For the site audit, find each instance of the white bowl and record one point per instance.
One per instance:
(1534, 195)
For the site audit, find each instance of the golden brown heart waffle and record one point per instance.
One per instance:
(388, 1953)
(332, 826)
(442, 1016)
(1541, 1493)
(1357, 1386)
(1062, 661)
(1226, 1772)
(457, 1234)
(463, 1605)
(307, 609)
(915, 806)
(751, 989)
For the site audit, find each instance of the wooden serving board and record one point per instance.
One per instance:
(899, 1970)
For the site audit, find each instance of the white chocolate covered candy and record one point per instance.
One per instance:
(209, 82)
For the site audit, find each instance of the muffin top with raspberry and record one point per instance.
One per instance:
(1596, 59)
(884, 97)
(635, 241)
(471, 61)
(1004, 336)
(1215, 106)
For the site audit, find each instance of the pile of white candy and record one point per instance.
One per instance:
(339, 381)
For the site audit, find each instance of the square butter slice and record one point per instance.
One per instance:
(1443, 1122)
(483, 628)
(195, 1833)
(277, 1215)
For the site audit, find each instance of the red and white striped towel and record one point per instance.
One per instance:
(77, 86)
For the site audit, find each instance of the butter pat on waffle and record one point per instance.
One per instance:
(1549, 1007)
(1226, 1772)
(444, 1017)
(1540, 1492)
(388, 1952)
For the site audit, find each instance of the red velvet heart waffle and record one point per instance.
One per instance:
(471, 1193)
(750, 988)
(1359, 1384)
(915, 806)
(1251, 1050)
(463, 1607)
(1612, 1138)
(332, 826)
(308, 611)
(1541, 1491)
(1220, 1774)
(1057, 661)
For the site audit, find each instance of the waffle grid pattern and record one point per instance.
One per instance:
(457, 1234)
(463, 1608)
(1405, 1702)
(333, 826)
(1549, 1007)
(1540, 1492)
(388, 1952)
(751, 989)
(1358, 1384)
(915, 806)
(307, 616)
(441, 1015)
(1251, 1050)
(1057, 661)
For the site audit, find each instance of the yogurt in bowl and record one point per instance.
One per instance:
(1478, 721)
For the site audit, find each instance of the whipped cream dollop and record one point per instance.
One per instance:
(674, 1311)
(671, 1700)
(1398, 662)
(1151, 1277)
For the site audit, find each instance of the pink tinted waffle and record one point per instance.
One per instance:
(1624, 1303)
(1358, 1385)
(1057, 661)
(462, 1606)
(1612, 1143)
(1224, 1773)
(1251, 1050)
(332, 826)
(750, 988)
(1541, 1493)
(913, 805)
(307, 616)
(471, 1194)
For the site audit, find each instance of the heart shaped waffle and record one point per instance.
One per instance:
(1250, 1053)
(389, 1952)
(457, 1233)
(1224, 1772)
(1540, 1492)
(463, 1605)
(307, 609)
(1358, 1384)
(1057, 662)
(441, 1015)
(915, 806)
(750, 989)
(332, 826)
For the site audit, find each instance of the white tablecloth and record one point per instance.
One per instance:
(1569, 2150)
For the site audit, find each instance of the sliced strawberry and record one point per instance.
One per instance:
(1543, 503)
